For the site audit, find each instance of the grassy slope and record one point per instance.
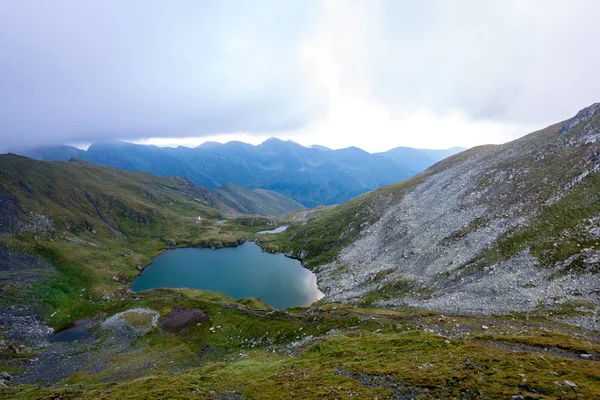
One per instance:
(353, 352)
(257, 201)
(286, 203)
(106, 223)
(559, 230)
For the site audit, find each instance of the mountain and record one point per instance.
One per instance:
(71, 195)
(236, 200)
(73, 237)
(492, 230)
(77, 197)
(55, 153)
(311, 176)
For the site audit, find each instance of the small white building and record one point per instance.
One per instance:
(199, 220)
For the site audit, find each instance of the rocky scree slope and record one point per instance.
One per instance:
(492, 230)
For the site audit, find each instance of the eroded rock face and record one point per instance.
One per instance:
(14, 220)
(181, 319)
(9, 213)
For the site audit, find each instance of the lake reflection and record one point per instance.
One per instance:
(242, 271)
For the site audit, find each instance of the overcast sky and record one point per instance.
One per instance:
(372, 74)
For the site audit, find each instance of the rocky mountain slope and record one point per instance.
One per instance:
(492, 230)
(312, 176)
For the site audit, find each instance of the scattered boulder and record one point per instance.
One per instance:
(4, 377)
(120, 278)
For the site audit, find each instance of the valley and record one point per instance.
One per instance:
(312, 176)
(476, 278)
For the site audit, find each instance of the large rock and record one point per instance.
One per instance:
(181, 319)
(132, 323)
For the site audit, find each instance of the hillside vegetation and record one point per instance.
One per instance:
(92, 224)
(256, 201)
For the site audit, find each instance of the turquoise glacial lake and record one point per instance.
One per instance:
(242, 271)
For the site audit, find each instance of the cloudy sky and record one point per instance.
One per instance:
(373, 74)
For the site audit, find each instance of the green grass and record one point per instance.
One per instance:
(395, 289)
(371, 353)
(556, 233)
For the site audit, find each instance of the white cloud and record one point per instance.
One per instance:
(338, 54)
(369, 73)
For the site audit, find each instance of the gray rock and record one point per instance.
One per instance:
(5, 376)
(432, 236)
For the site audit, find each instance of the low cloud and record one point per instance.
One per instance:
(366, 73)
(86, 71)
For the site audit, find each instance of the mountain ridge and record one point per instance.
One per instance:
(310, 175)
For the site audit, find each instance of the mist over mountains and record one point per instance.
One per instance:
(312, 176)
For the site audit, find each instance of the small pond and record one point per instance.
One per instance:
(242, 271)
(71, 335)
(276, 230)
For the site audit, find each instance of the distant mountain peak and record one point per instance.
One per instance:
(273, 140)
(209, 145)
(353, 150)
(277, 141)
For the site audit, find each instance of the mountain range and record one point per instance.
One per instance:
(311, 176)
(477, 278)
